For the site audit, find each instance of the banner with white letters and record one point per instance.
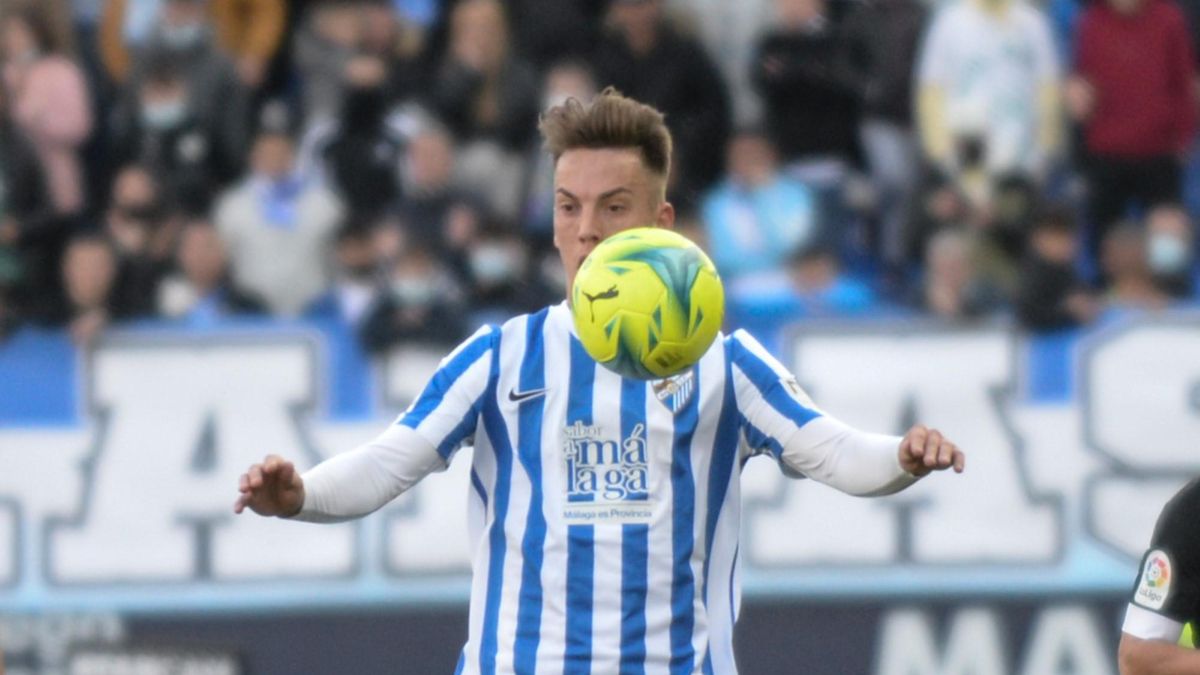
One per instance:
(118, 468)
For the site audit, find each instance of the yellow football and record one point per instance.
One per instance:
(647, 303)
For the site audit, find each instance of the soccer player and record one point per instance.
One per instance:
(604, 512)
(1167, 595)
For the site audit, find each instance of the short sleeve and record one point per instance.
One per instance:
(1166, 594)
(447, 411)
(771, 404)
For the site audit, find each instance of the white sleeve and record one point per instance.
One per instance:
(853, 461)
(355, 483)
(1147, 625)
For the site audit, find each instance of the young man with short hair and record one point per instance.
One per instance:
(651, 586)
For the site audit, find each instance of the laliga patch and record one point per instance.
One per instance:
(675, 392)
(1155, 583)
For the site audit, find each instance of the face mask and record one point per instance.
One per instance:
(492, 264)
(1167, 254)
(164, 115)
(183, 37)
(554, 99)
(413, 291)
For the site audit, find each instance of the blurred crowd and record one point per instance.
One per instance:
(376, 163)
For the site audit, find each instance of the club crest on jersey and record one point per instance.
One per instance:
(1155, 583)
(675, 392)
(607, 479)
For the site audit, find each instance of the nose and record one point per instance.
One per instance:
(589, 228)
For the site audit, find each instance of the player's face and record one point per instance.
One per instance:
(599, 192)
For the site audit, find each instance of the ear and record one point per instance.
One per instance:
(666, 216)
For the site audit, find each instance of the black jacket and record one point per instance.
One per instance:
(811, 109)
(680, 79)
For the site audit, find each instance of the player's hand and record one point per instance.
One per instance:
(272, 488)
(923, 450)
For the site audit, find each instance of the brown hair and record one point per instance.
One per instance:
(610, 120)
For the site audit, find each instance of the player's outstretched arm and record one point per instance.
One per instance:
(1156, 657)
(923, 450)
(271, 488)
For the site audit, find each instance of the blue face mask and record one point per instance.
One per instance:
(1167, 254)
(164, 114)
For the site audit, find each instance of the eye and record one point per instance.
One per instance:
(566, 208)
(616, 208)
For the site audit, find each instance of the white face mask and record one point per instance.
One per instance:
(183, 37)
(414, 291)
(493, 264)
(1167, 254)
(554, 98)
(164, 114)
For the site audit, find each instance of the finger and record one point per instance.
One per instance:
(933, 441)
(946, 454)
(244, 483)
(916, 441)
(256, 477)
(240, 504)
(960, 461)
(271, 464)
(287, 473)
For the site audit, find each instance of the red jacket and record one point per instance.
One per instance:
(1141, 67)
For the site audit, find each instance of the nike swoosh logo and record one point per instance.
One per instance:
(517, 396)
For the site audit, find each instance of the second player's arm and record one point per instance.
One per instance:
(1156, 657)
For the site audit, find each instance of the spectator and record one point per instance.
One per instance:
(810, 107)
(429, 191)
(953, 289)
(647, 58)
(388, 35)
(360, 153)
(249, 31)
(879, 52)
(143, 234)
(988, 94)
(1170, 250)
(421, 304)
(548, 31)
(89, 270)
(488, 97)
(201, 294)
(278, 227)
(811, 284)
(1138, 114)
(757, 217)
(1124, 261)
(500, 284)
(328, 39)
(49, 103)
(213, 97)
(564, 80)
(356, 281)
(1051, 295)
(166, 135)
(483, 91)
(28, 231)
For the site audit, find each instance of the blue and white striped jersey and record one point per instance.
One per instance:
(604, 512)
